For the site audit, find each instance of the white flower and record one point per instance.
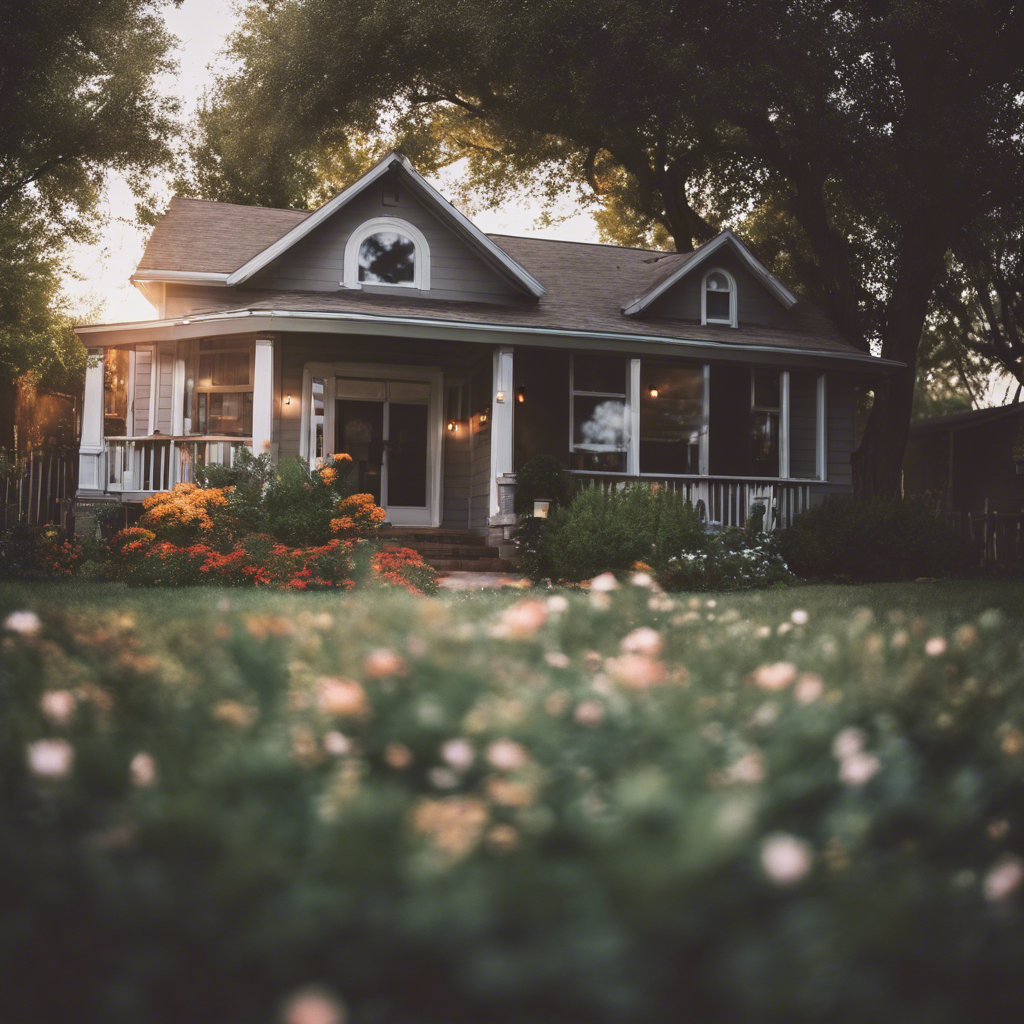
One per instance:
(643, 641)
(847, 742)
(1003, 880)
(557, 603)
(143, 770)
(799, 617)
(25, 623)
(557, 659)
(604, 583)
(785, 858)
(337, 743)
(600, 601)
(51, 759)
(459, 753)
(935, 647)
(858, 768)
(589, 713)
(809, 687)
(642, 579)
(58, 706)
(776, 676)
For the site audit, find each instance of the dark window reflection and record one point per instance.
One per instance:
(387, 258)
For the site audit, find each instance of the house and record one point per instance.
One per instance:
(386, 325)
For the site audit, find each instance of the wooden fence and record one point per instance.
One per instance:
(38, 486)
(999, 537)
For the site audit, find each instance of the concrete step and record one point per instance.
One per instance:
(433, 550)
(411, 536)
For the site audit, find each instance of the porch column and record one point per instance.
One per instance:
(502, 410)
(90, 449)
(263, 396)
(784, 423)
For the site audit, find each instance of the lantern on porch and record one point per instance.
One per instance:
(540, 507)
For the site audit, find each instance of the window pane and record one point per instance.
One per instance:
(718, 305)
(764, 445)
(718, 282)
(599, 373)
(598, 462)
(599, 424)
(226, 413)
(671, 418)
(387, 258)
(224, 369)
(766, 389)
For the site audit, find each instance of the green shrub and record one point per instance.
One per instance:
(543, 476)
(611, 531)
(298, 505)
(729, 560)
(548, 812)
(38, 553)
(875, 539)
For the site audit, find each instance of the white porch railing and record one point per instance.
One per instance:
(154, 463)
(724, 499)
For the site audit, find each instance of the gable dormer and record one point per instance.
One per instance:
(390, 233)
(720, 284)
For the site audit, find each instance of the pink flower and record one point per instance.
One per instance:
(337, 744)
(935, 647)
(523, 619)
(776, 676)
(848, 742)
(507, 755)
(58, 706)
(589, 713)
(809, 688)
(1003, 880)
(51, 759)
(344, 698)
(143, 770)
(459, 753)
(643, 641)
(636, 671)
(382, 662)
(858, 768)
(25, 623)
(785, 858)
(604, 583)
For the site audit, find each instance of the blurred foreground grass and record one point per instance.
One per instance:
(805, 804)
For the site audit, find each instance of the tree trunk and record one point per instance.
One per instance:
(878, 462)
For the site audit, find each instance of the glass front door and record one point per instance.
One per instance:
(383, 425)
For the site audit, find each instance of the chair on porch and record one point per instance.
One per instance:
(764, 495)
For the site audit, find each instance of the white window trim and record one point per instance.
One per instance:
(781, 410)
(421, 262)
(732, 321)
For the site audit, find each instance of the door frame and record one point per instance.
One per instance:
(433, 375)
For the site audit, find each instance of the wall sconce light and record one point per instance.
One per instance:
(654, 392)
(520, 394)
(540, 508)
(453, 426)
(485, 415)
(287, 399)
(500, 396)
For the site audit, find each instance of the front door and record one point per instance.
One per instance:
(384, 426)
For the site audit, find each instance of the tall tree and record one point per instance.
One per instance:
(883, 130)
(77, 100)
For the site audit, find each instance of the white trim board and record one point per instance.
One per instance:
(727, 237)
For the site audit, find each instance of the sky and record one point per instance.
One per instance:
(101, 291)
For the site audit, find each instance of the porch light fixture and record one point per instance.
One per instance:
(540, 508)
(287, 399)
(500, 396)
(520, 394)
(654, 392)
(485, 415)
(453, 426)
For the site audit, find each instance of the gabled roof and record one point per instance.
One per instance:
(685, 263)
(429, 196)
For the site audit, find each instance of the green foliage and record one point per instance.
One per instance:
(728, 560)
(498, 811)
(610, 531)
(543, 476)
(38, 553)
(877, 539)
(297, 505)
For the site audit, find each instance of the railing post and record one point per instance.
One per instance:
(263, 396)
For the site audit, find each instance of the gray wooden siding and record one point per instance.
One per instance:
(803, 424)
(840, 403)
(755, 304)
(481, 388)
(165, 388)
(143, 387)
(317, 263)
(457, 479)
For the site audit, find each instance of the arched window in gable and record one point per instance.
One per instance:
(387, 251)
(718, 298)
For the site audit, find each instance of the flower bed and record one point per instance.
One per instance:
(612, 807)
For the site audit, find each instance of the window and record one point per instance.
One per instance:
(766, 406)
(387, 251)
(718, 298)
(671, 417)
(598, 413)
(116, 365)
(219, 378)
